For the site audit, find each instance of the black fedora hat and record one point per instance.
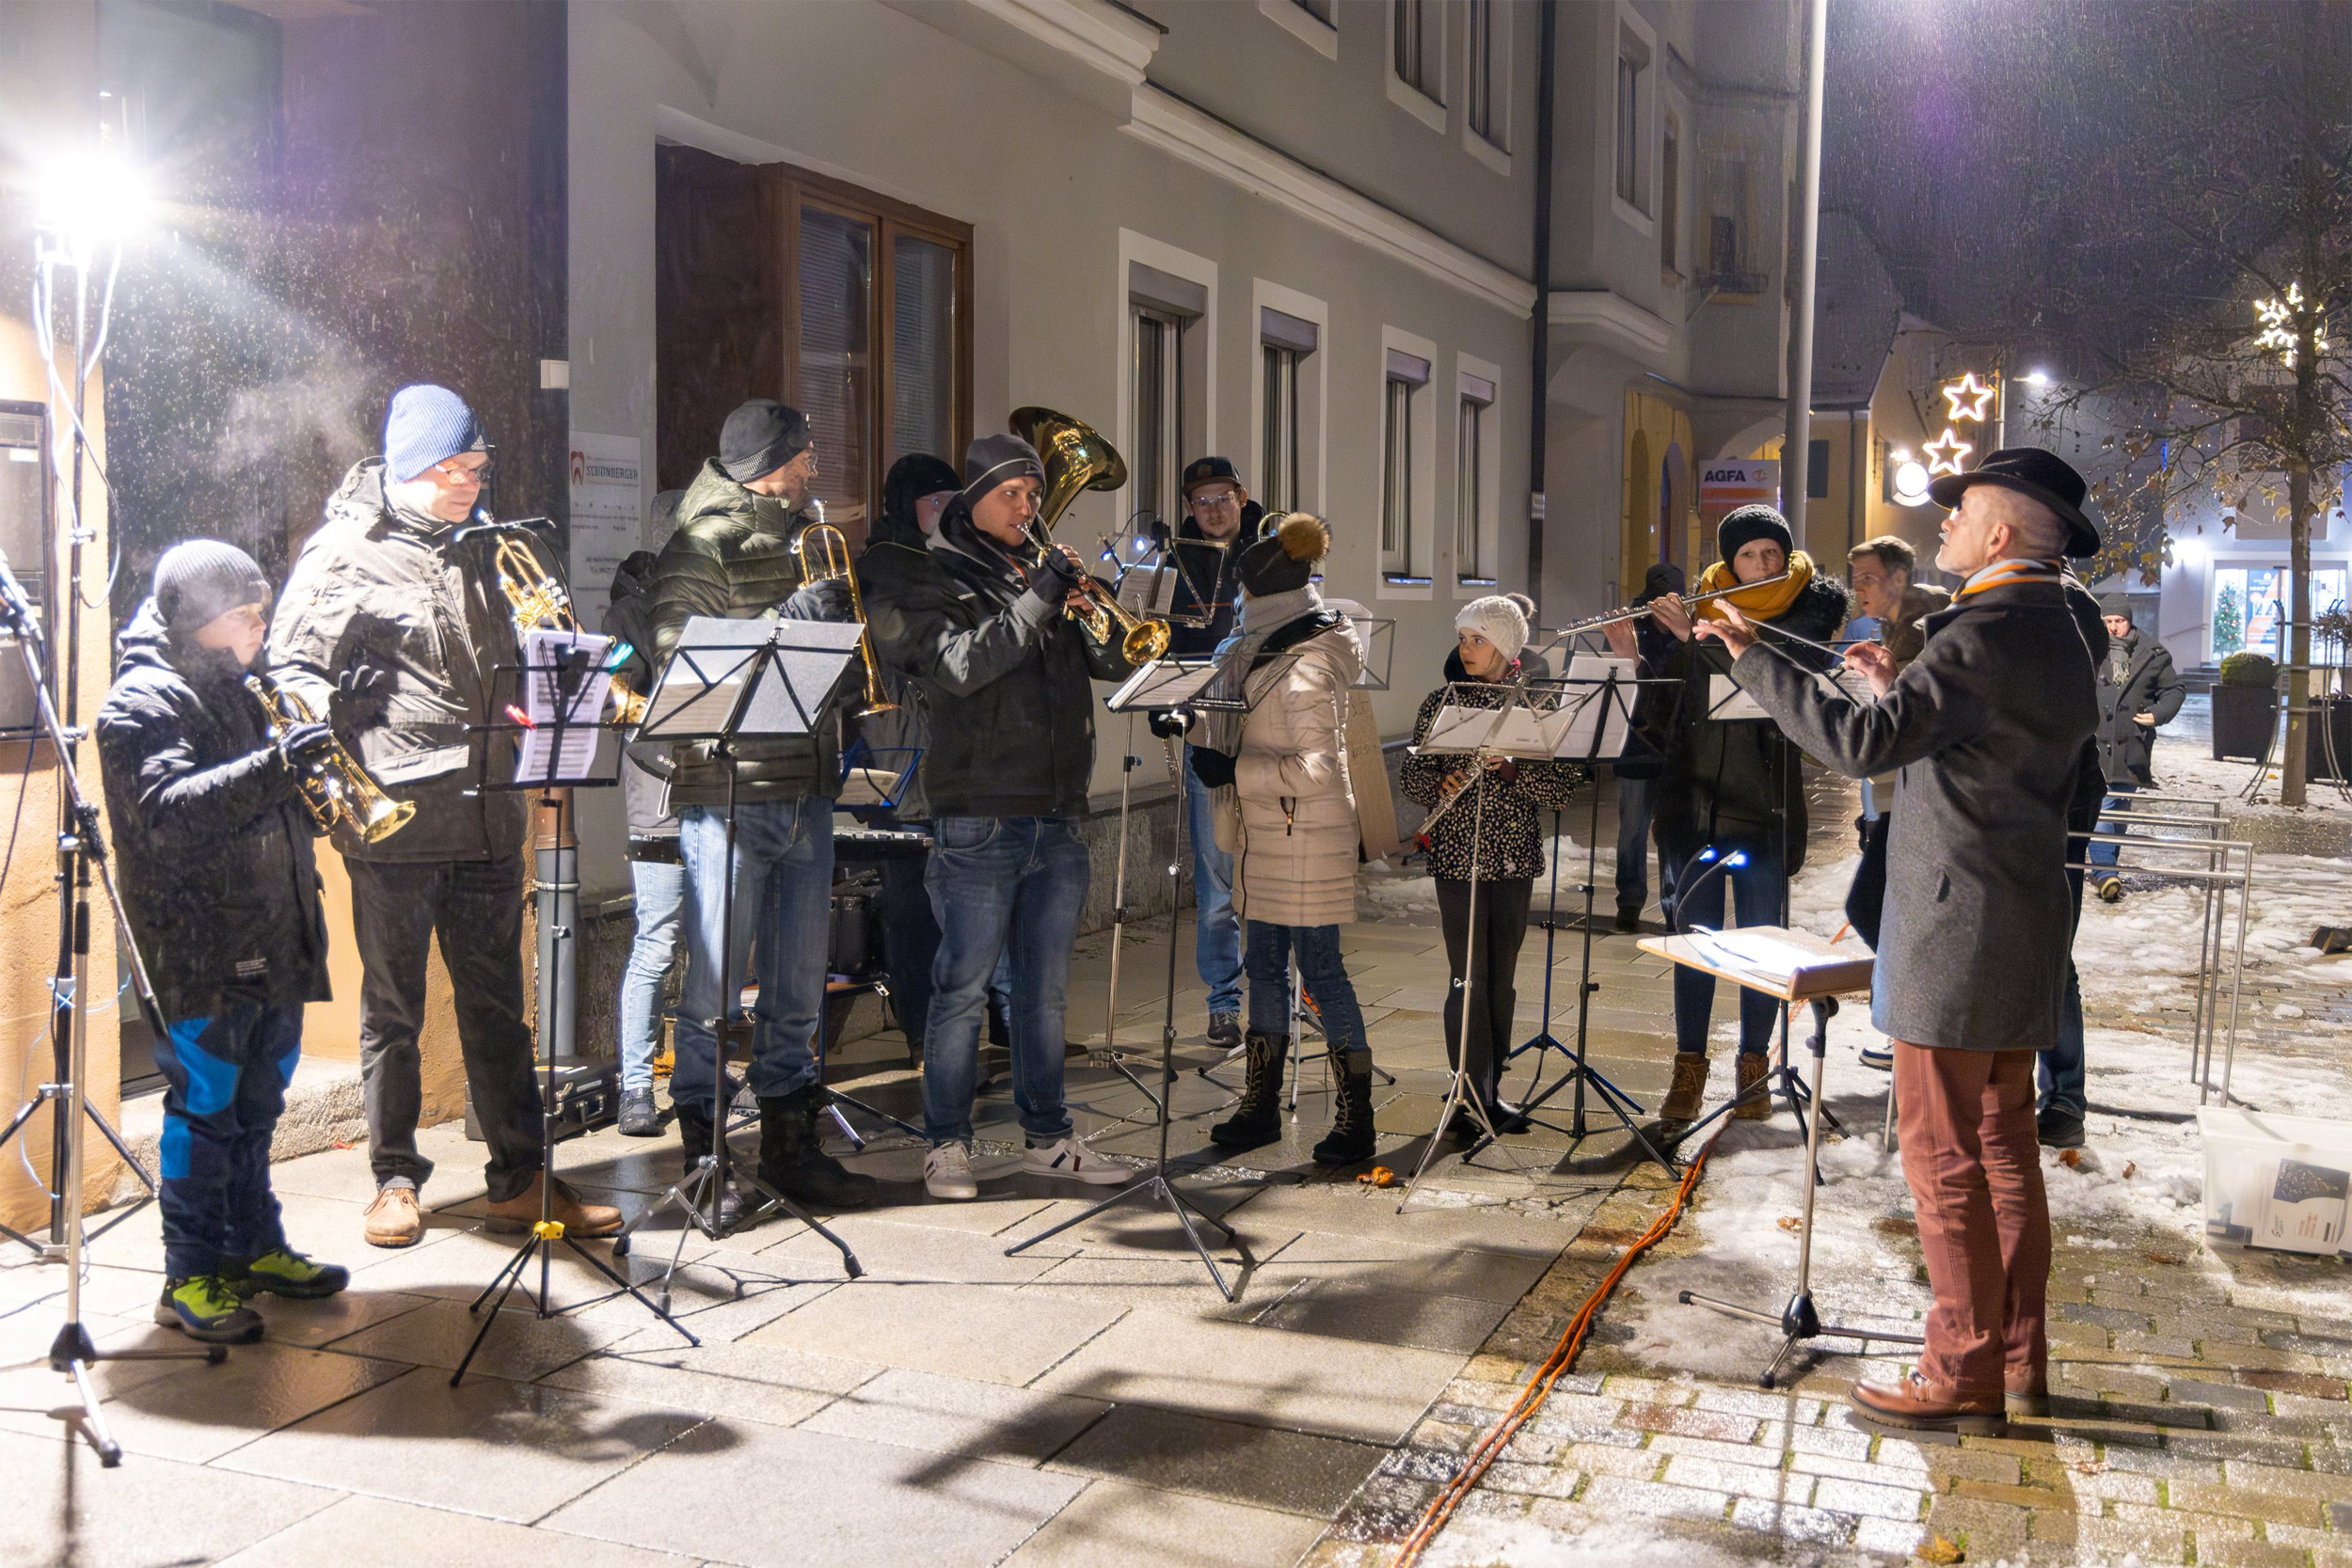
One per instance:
(2029, 471)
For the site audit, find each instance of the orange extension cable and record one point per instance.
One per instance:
(1540, 1384)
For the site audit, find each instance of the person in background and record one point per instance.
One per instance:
(657, 876)
(1636, 773)
(213, 845)
(397, 631)
(2138, 693)
(1217, 508)
(1499, 804)
(1292, 813)
(1733, 788)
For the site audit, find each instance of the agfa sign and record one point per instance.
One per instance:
(1727, 484)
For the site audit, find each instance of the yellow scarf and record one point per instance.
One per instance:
(1758, 604)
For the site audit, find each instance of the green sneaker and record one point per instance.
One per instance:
(206, 1309)
(285, 1273)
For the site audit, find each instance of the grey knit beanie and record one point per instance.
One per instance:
(1498, 619)
(198, 581)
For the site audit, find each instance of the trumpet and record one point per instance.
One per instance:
(336, 790)
(1076, 459)
(539, 602)
(830, 548)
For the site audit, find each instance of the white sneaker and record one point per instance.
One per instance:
(1075, 1161)
(948, 1172)
(1878, 1057)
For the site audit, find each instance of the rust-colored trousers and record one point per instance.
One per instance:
(1975, 1171)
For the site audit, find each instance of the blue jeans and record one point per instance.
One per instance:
(2062, 1066)
(1002, 887)
(1634, 798)
(2119, 798)
(783, 918)
(1756, 892)
(661, 889)
(1322, 973)
(1216, 933)
(225, 1085)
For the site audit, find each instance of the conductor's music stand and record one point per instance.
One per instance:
(1790, 966)
(560, 691)
(728, 681)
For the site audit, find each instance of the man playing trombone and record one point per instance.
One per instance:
(733, 556)
(397, 629)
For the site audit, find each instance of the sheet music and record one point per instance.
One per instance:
(564, 686)
(1599, 712)
(1163, 683)
(1726, 699)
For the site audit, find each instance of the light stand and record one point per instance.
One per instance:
(558, 889)
(1156, 1186)
(1798, 1320)
(80, 850)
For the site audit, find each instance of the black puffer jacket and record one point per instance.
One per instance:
(645, 767)
(732, 557)
(1005, 676)
(1722, 777)
(377, 589)
(897, 554)
(211, 840)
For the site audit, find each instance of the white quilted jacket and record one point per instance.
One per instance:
(1295, 864)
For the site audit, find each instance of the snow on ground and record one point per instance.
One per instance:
(1473, 1542)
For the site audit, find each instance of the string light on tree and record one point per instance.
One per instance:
(1945, 452)
(2279, 333)
(1970, 391)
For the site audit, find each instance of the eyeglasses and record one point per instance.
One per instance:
(1207, 501)
(459, 473)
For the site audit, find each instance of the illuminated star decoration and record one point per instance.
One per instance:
(2279, 333)
(1945, 452)
(1960, 391)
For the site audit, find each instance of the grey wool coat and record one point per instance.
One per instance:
(1987, 727)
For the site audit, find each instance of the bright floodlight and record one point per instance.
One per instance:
(2037, 378)
(1911, 485)
(90, 199)
(2188, 552)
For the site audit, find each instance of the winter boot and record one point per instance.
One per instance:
(204, 1307)
(1352, 1137)
(639, 1117)
(1751, 1068)
(1681, 1105)
(792, 1164)
(693, 1135)
(1256, 1117)
(283, 1272)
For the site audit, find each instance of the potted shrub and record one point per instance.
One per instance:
(2245, 708)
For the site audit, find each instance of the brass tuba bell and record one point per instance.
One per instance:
(1077, 459)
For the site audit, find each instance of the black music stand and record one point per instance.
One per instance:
(1165, 684)
(1607, 695)
(557, 703)
(726, 681)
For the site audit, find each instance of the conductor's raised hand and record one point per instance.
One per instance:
(1874, 663)
(1735, 631)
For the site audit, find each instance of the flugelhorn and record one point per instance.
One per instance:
(539, 602)
(822, 552)
(336, 789)
(1076, 459)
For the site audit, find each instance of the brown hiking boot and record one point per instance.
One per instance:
(1751, 1068)
(1690, 1087)
(392, 1219)
(1911, 1404)
(518, 1213)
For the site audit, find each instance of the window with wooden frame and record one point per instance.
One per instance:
(854, 307)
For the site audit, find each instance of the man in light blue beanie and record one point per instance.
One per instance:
(399, 631)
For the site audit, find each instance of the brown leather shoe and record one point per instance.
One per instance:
(1751, 1068)
(1690, 1087)
(518, 1213)
(2025, 1396)
(1909, 1404)
(392, 1219)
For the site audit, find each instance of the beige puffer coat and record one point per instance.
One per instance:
(1295, 864)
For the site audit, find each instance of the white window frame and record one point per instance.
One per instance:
(1632, 35)
(1670, 212)
(1303, 25)
(1415, 100)
(1470, 371)
(1418, 577)
(1313, 375)
(1135, 247)
(1493, 149)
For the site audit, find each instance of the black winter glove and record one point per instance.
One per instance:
(304, 745)
(1060, 574)
(1167, 723)
(1212, 767)
(827, 599)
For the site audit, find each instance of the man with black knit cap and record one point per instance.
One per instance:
(398, 630)
(1005, 678)
(213, 845)
(732, 557)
